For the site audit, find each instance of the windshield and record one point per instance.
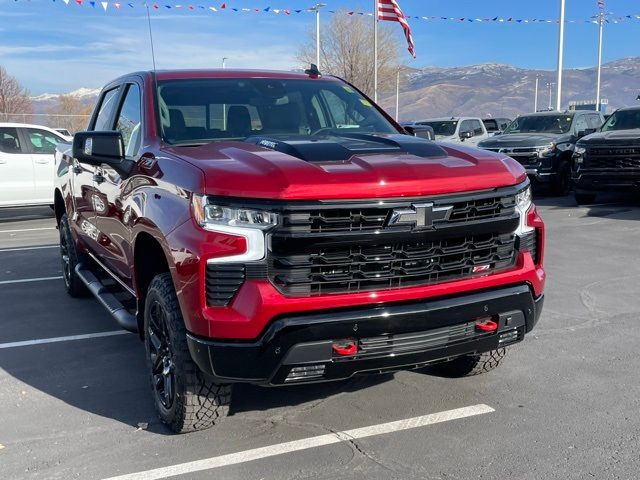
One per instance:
(444, 128)
(622, 120)
(540, 124)
(204, 110)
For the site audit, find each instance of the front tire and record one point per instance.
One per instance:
(184, 398)
(69, 257)
(469, 365)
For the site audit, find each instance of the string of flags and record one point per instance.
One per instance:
(223, 7)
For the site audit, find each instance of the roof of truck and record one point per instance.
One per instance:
(228, 73)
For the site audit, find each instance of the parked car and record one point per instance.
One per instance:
(65, 133)
(609, 160)
(544, 142)
(465, 130)
(279, 228)
(496, 125)
(27, 164)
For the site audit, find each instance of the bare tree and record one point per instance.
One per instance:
(74, 115)
(14, 99)
(347, 51)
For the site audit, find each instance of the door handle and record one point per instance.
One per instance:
(42, 161)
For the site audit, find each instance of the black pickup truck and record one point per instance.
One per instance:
(609, 160)
(544, 142)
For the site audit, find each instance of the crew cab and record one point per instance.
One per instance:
(279, 228)
(27, 164)
(467, 130)
(544, 142)
(609, 160)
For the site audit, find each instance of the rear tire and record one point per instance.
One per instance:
(584, 197)
(185, 399)
(69, 257)
(469, 365)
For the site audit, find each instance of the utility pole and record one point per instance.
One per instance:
(398, 94)
(535, 101)
(600, 29)
(560, 56)
(375, 51)
(316, 8)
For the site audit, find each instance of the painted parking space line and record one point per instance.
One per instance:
(29, 280)
(68, 338)
(306, 443)
(28, 230)
(21, 249)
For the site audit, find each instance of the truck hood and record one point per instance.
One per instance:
(348, 166)
(614, 137)
(511, 140)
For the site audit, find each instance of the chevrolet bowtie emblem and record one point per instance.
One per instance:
(420, 216)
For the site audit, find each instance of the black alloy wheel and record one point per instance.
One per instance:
(161, 356)
(66, 260)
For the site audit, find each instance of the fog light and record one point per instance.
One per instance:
(306, 372)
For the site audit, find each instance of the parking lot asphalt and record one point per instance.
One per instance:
(563, 405)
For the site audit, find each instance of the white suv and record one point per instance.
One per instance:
(27, 164)
(467, 130)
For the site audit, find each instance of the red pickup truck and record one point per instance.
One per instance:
(279, 228)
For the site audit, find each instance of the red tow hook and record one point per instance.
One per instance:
(345, 348)
(486, 325)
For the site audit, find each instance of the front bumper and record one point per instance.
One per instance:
(441, 329)
(607, 180)
(540, 176)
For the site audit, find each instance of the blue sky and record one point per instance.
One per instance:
(55, 48)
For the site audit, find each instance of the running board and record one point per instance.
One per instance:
(125, 319)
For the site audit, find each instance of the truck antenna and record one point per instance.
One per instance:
(153, 54)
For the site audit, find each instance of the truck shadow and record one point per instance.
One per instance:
(616, 206)
(25, 213)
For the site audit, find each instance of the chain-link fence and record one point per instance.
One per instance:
(73, 123)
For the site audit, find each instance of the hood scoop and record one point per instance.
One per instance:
(314, 148)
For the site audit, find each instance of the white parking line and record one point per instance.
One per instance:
(28, 230)
(28, 280)
(69, 338)
(306, 443)
(2, 250)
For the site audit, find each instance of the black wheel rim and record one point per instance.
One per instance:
(66, 261)
(161, 356)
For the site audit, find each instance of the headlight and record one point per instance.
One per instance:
(237, 221)
(547, 150)
(523, 204)
(210, 215)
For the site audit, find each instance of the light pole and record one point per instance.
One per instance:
(550, 86)
(224, 62)
(398, 94)
(600, 28)
(316, 8)
(535, 101)
(224, 106)
(560, 56)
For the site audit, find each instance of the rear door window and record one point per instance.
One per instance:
(9, 141)
(477, 127)
(41, 141)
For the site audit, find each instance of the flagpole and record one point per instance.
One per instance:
(600, 28)
(535, 101)
(398, 94)
(375, 51)
(560, 56)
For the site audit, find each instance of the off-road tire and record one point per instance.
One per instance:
(469, 365)
(198, 403)
(583, 198)
(69, 258)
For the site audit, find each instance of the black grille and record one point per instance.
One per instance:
(417, 341)
(371, 218)
(612, 157)
(529, 243)
(526, 156)
(222, 282)
(356, 268)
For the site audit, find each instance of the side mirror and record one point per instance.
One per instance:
(499, 132)
(584, 133)
(420, 131)
(98, 148)
(466, 135)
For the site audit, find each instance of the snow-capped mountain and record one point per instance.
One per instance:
(41, 103)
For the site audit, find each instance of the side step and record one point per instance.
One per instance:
(125, 319)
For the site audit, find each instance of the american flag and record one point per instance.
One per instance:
(601, 4)
(389, 10)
